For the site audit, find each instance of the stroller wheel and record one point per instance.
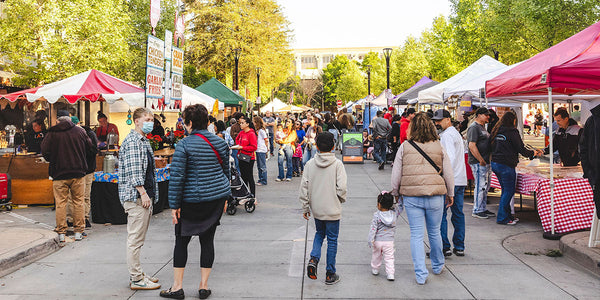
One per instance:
(250, 206)
(231, 209)
(8, 207)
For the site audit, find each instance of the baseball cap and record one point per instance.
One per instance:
(410, 111)
(75, 119)
(441, 114)
(62, 113)
(391, 108)
(482, 111)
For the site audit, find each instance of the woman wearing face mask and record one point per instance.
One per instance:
(198, 189)
(246, 144)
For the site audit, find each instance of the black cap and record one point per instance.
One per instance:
(441, 114)
(482, 111)
(62, 113)
(410, 111)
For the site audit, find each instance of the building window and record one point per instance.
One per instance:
(309, 62)
(327, 59)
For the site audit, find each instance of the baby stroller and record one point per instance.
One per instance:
(239, 192)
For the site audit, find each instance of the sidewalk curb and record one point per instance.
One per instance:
(575, 247)
(24, 255)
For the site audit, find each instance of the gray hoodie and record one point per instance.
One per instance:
(383, 225)
(323, 187)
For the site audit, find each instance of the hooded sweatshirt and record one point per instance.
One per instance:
(323, 187)
(507, 145)
(67, 148)
(383, 225)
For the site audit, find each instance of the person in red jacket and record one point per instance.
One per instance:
(408, 115)
(246, 143)
(390, 114)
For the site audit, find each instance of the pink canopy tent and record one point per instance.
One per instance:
(571, 67)
(569, 71)
(92, 85)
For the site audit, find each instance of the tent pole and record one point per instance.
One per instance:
(551, 147)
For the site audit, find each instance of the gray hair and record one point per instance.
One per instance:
(64, 119)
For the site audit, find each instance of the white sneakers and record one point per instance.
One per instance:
(78, 236)
(144, 284)
(390, 277)
(61, 238)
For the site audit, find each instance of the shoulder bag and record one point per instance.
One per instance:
(433, 164)
(211, 146)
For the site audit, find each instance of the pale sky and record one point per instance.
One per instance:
(359, 23)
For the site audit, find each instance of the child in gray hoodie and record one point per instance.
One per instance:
(382, 232)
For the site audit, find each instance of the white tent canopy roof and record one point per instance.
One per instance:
(435, 94)
(190, 96)
(471, 85)
(382, 99)
(274, 105)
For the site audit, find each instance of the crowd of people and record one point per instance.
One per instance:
(429, 176)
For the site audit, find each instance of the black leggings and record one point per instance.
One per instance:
(207, 249)
(246, 168)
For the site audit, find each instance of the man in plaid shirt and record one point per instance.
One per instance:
(137, 191)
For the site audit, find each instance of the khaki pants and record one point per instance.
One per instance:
(138, 219)
(88, 180)
(63, 190)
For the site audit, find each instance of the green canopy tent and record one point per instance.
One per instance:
(217, 90)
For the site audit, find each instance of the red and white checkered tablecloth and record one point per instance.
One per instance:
(573, 201)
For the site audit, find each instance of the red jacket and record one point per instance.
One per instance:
(248, 142)
(404, 122)
(388, 117)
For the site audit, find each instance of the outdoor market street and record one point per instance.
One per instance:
(259, 256)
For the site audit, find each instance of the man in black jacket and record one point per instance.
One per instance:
(566, 138)
(67, 147)
(588, 147)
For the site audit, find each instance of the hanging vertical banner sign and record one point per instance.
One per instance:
(179, 29)
(168, 56)
(177, 76)
(155, 63)
(154, 13)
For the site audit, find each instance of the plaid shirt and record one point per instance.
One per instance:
(133, 163)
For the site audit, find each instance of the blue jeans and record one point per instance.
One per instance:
(457, 219)
(507, 177)
(271, 138)
(481, 175)
(379, 151)
(428, 210)
(261, 165)
(330, 229)
(287, 155)
(307, 155)
(234, 153)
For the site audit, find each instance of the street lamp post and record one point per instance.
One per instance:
(369, 91)
(258, 102)
(387, 53)
(495, 51)
(236, 56)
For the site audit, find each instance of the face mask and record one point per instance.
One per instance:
(147, 127)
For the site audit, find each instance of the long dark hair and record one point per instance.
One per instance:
(507, 120)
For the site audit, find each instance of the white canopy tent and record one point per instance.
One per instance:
(190, 96)
(272, 106)
(473, 85)
(382, 99)
(435, 94)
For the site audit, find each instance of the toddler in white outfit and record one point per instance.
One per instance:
(382, 232)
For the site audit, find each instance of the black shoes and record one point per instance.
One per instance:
(69, 224)
(489, 213)
(88, 224)
(332, 278)
(311, 269)
(458, 252)
(381, 165)
(172, 295)
(203, 294)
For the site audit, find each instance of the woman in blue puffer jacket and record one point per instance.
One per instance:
(198, 190)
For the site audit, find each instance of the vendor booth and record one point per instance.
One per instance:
(80, 95)
(273, 106)
(568, 71)
(413, 92)
(232, 101)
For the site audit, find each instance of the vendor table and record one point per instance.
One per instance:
(573, 199)
(105, 204)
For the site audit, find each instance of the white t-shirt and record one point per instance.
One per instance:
(453, 145)
(261, 145)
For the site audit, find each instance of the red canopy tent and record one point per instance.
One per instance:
(91, 85)
(570, 69)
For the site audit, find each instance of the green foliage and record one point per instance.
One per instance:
(257, 27)
(193, 77)
(409, 65)
(285, 88)
(352, 84)
(331, 77)
(441, 50)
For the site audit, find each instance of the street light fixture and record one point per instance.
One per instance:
(387, 53)
(236, 56)
(495, 51)
(258, 89)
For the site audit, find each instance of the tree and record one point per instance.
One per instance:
(441, 51)
(257, 27)
(44, 41)
(378, 76)
(331, 78)
(352, 85)
(193, 77)
(312, 91)
(410, 64)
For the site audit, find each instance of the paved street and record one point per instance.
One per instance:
(259, 256)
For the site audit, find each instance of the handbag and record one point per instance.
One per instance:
(433, 164)
(244, 157)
